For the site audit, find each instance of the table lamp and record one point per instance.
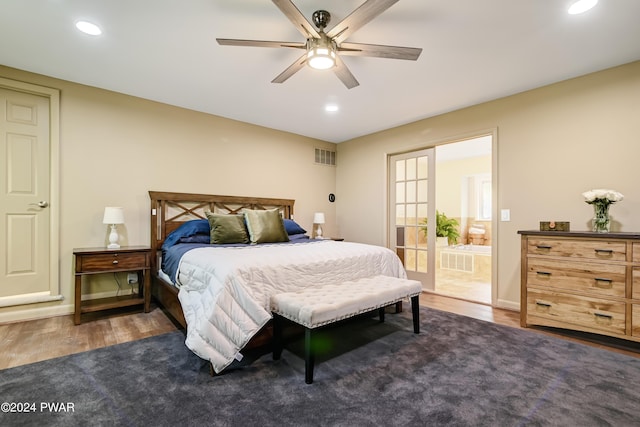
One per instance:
(318, 220)
(113, 216)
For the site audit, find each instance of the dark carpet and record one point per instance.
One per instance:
(458, 371)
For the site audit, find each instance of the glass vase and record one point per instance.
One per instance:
(601, 222)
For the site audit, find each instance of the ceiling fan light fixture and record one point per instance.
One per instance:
(321, 59)
(321, 54)
(581, 6)
(88, 28)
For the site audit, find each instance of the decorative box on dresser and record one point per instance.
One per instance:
(102, 260)
(582, 281)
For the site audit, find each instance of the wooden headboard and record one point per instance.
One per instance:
(170, 210)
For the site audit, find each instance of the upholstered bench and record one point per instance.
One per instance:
(315, 307)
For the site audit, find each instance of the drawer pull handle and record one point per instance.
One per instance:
(603, 319)
(543, 273)
(543, 304)
(543, 246)
(604, 251)
(115, 261)
(603, 316)
(603, 283)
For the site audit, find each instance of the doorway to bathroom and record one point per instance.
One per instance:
(441, 216)
(411, 191)
(464, 204)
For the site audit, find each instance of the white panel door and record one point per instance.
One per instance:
(24, 194)
(411, 203)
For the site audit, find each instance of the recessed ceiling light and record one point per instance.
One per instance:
(88, 28)
(581, 6)
(331, 108)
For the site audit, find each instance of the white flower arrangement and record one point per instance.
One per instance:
(602, 196)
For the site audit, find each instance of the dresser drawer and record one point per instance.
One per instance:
(115, 261)
(635, 283)
(594, 278)
(635, 321)
(583, 313)
(604, 250)
(636, 252)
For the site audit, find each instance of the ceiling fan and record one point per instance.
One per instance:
(323, 50)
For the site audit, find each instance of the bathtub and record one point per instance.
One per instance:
(467, 258)
(481, 249)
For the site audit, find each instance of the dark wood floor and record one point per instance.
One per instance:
(37, 340)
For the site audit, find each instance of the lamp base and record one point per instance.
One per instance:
(113, 238)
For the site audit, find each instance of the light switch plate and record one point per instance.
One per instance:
(505, 215)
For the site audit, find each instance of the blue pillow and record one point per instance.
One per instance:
(189, 228)
(196, 238)
(292, 227)
(298, 236)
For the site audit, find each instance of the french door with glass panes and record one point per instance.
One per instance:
(411, 205)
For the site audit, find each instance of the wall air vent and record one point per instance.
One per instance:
(325, 157)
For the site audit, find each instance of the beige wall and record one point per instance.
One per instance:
(553, 143)
(114, 148)
(450, 177)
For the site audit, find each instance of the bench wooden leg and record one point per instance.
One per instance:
(381, 311)
(399, 307)
(277, 336)
(415, 310)
(309, 358)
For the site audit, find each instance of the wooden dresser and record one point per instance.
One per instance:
(582, 281)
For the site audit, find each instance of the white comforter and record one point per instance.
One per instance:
(225, 292)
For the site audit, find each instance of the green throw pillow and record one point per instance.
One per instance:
(227, 229)
(265, 226)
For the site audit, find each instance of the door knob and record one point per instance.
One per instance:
(40, 204)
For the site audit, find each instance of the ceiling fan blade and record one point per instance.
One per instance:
(379, 51)
(359, 17)
(297, 18)
(260, 43)
(291, 70)
(344, 74)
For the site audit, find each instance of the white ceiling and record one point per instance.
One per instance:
(165, 50)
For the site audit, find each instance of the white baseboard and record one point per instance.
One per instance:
(34, 311)
(508, 305)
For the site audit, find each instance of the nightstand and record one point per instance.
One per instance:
(103, 260)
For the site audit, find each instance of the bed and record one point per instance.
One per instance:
(220, 292)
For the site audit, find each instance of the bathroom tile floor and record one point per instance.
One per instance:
(463, 285)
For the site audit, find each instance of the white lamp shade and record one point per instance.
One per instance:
(318, 218)
(113, 215)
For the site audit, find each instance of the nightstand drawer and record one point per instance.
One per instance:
(102, 262)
